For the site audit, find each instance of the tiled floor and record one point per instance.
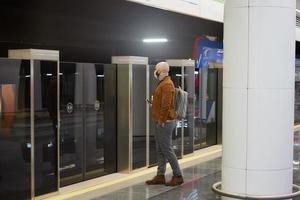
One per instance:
(198, 182)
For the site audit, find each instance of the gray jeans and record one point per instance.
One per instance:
(164, 150)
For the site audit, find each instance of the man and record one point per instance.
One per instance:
(163, 112)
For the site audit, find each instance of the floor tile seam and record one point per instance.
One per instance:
(185, 183)
(262, 170)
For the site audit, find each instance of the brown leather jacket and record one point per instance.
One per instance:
(163, 104)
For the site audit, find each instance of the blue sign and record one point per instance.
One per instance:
(208, 50)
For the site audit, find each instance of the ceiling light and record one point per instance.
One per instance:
(155, 40)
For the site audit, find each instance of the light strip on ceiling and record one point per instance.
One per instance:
(155, 40)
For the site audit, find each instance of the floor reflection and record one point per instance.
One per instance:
(198, 182)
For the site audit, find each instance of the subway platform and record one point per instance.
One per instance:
(200, 171)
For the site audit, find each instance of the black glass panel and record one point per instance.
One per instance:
(297, 96)
(94, 119)
(198, 125)
(45, 117)
(100, 119)
(297, 102)
(110, 118)
(211, 107)
(206, 107)
(139, 115)
(152, 148)
(189, 86)
(71, 131)
(15, 145)
(88, 121)
(176, 76)
(219, 109)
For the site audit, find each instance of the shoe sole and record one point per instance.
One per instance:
(155, 183)
(174, 185)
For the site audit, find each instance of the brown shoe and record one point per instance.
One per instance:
(176, 180)
(157, 180)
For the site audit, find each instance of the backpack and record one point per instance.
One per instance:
(181, 101)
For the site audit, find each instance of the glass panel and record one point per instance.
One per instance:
(139, 115)
(110, 118)
(124, 120)
(206, 131)
(15, 168)
(152, 148)
(211, 104)
(71, 131)
(94, 119)
(296, 160)
(86, 151)
(297, 96)
(100, 119)
(176, 76)
(189, 86)
(199, 136)
(45, 113)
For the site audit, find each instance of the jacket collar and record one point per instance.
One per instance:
(166, 78)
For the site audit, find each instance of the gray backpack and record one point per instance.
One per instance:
(181, 101)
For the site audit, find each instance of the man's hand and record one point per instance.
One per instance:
(161, 124)
(149, 102)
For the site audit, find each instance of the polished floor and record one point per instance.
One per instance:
(198, 181)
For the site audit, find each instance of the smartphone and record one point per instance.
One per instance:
(148, 101)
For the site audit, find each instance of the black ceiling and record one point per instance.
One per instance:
(93, 30)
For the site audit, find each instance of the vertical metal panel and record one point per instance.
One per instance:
(82, 72)
(147, 117)
(203, 96)
(130, 120)
(110, 121)
(32, 128)
(193, 117)
(182, 121)
(124, 104)
(139, 116)
(220, 106)
(58, 125)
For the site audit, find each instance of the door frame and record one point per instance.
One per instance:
(39, 55)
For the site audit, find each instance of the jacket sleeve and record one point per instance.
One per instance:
(166, 102)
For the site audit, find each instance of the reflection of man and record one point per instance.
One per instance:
(51, 103)
(8, 108)
(163, 111)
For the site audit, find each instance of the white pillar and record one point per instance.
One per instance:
(258, 115)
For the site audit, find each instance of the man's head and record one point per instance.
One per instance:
(161, 70)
